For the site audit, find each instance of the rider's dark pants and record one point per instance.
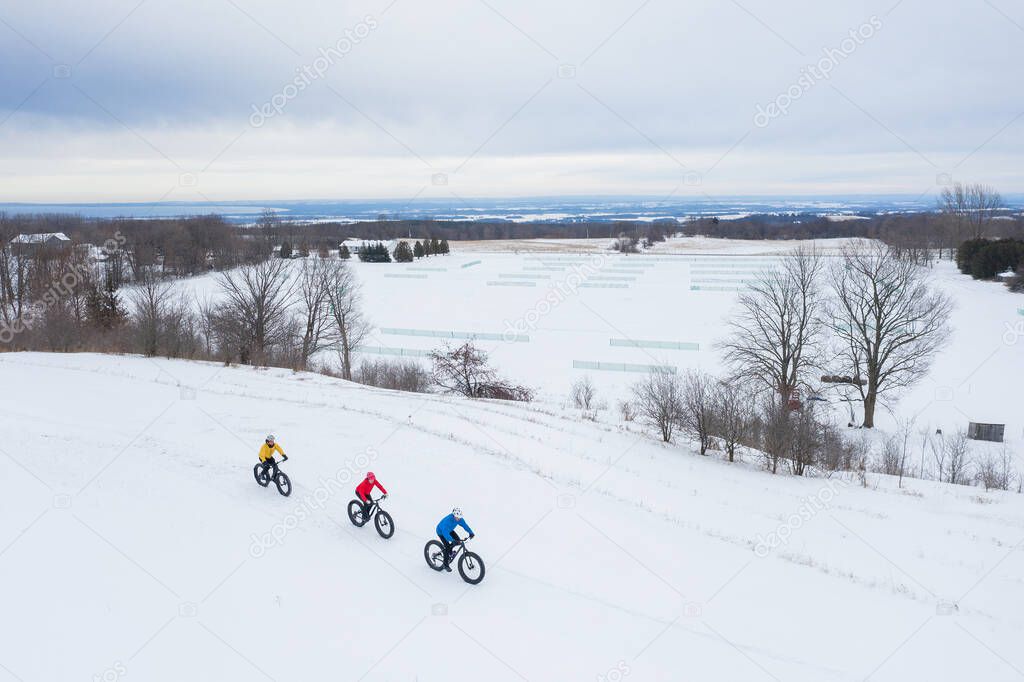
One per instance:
(367, 503)
(449, 542)
(270, 465)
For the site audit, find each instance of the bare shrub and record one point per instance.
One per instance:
(951, 455)
(583, 393)
(659, 401)
(397, 375)
(891, 457)
(465, 370)
(626, 410)
(994, 470)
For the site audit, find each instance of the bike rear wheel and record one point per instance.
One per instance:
(434, 554)
(262, 475)
(355, 513)
(471, 568)
(283, 483)
(384, 524)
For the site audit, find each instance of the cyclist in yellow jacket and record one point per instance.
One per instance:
(267, 450)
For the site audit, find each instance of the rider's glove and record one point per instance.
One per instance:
(284, 458)
(471, 536)
(385, 496)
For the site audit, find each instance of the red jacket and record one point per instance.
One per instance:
(366, 487)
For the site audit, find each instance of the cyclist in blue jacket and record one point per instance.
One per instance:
(446, 531)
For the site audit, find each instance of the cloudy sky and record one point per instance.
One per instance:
(122, 100)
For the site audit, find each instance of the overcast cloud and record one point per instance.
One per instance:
(250, 99)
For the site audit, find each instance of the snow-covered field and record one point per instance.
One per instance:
(548, 316)
(135, 544)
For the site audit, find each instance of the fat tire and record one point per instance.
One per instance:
(471, 557)
(262, 477)
(384, 524)
(434, 549)
(283, 483)
(355, 514)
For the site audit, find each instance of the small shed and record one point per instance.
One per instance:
(989, 432)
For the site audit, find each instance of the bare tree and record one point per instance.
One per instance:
(807, 437)
(349, 326)
(315, 283)
(150, 302)
(775, 431)
(888, 322)
(732, 416)
(969, 210)
(697, 408)
(776, 336)
(957, 458)
(255, 318)
(658, 399)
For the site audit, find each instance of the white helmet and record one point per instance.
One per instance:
(270, 438)
(457, 513)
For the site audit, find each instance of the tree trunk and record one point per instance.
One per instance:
(870, 400)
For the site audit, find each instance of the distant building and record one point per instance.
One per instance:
(357, 245)
(29, 244)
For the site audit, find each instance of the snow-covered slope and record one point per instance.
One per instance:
(135, 544)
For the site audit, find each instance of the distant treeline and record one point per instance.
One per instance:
(175, 247)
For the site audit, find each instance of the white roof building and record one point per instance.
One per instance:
(42, 238)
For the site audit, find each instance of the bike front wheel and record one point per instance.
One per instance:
(355, 513)
(434, 554)
(261, 475)
(385, 524)
(283, 483)
(471, 568)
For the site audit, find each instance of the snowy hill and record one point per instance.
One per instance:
(135, 544)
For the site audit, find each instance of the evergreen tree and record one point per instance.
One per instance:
(435, 246)
(103, 307)
(417, 250)
(286, 250)
(403, 254)
(426, 248)
(343, 253)
(445, 249)
(385, 257)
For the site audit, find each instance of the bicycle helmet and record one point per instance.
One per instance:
(370, 476)
(457, 513)
(270, 438)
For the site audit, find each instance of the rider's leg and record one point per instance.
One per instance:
(367, 503)
(447, 552)
(454, 540)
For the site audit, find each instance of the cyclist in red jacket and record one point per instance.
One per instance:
(364, 489)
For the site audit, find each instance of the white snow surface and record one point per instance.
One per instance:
(133, 544)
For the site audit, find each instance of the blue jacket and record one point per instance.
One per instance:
(449, 523)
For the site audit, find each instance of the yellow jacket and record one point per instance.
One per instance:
(267, 452)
